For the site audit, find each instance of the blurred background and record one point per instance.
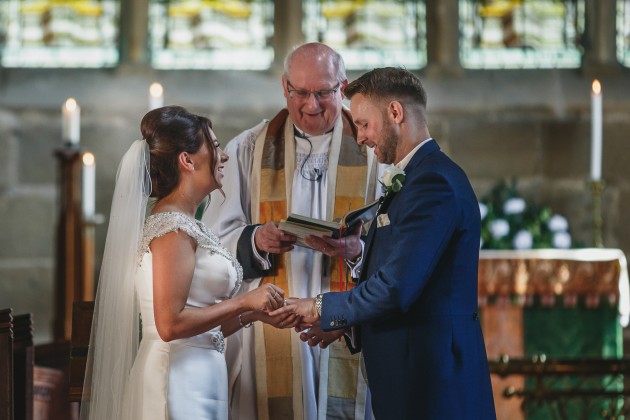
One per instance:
(530, 97)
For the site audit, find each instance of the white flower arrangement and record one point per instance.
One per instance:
(510, 222)
(523, 240)
(558, 223)
(561, 240)
(392, 179)
(499, 228)
(515, 205)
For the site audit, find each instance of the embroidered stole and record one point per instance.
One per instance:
(278, 364)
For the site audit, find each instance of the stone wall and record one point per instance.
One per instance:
(531, 125)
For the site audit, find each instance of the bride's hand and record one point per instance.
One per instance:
(279, 321)
(266, 297)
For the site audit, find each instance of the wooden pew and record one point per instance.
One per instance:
(50, 381)
(81, 326)
(6, 364)
(23, 362)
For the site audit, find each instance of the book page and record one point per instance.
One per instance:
(302, 231)
(302, 226)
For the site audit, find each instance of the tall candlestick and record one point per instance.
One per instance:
(89, 169)
(70, 121)
(596, 131)
(156, 96)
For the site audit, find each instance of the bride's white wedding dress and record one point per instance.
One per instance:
(186, 378)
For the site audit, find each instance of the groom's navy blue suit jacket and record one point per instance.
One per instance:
(415, 307)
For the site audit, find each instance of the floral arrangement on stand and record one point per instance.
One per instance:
(510, 222)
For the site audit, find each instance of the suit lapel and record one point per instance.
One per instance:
(415, 161)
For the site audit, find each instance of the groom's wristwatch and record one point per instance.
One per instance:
(318, 304)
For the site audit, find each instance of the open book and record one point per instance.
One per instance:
(302, 226)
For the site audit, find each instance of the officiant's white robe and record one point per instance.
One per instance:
(230, 218)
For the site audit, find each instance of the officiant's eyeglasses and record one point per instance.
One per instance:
(303, 95)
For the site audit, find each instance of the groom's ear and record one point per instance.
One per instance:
(395, 112)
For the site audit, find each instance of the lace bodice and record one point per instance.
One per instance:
(160, 224)
(217, 275)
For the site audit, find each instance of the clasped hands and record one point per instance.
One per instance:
(272, 308)
(301, 313)
(306, 322)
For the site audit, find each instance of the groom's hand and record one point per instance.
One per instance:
(349, 247)
(315, 336)
(304, 308)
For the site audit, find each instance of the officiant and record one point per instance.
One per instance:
(305, 160)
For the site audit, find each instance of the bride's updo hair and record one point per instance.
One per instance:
(170, 131)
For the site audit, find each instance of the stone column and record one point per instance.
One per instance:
(600, 44)
(443, 37)
(287, 29)
(134, 32)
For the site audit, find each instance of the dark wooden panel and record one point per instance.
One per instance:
(81, 326)
(6, 364)
(23, 361)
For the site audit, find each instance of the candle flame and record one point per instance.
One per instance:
(88, 159)
(597, 87)
(71, 104)
(156, 90)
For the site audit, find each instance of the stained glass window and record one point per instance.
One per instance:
(211, 34)
(521, 33)
(623, 32)
(59, 33)
(369, 33)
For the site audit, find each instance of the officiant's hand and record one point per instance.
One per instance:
(349, 247)
(268, 238)
(305, 308)
(315, 336)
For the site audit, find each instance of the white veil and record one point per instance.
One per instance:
(115, 327)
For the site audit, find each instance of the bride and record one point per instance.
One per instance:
(167, 283)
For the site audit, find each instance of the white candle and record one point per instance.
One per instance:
(156, 96)
(70, 121)
(89, 181)
(596, 131)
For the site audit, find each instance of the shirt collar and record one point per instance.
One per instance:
(304, 135)
(403, 163)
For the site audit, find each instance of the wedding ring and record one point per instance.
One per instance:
(275, 294)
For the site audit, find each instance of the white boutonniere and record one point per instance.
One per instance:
(392, 180)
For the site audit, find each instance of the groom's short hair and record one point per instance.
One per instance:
(389, 84)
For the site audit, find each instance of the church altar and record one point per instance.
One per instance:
(560, 303)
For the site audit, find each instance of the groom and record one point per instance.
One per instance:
(414, 311)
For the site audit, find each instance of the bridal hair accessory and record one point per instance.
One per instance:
(392, 180)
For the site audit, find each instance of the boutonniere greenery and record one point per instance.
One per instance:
(392, 180)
